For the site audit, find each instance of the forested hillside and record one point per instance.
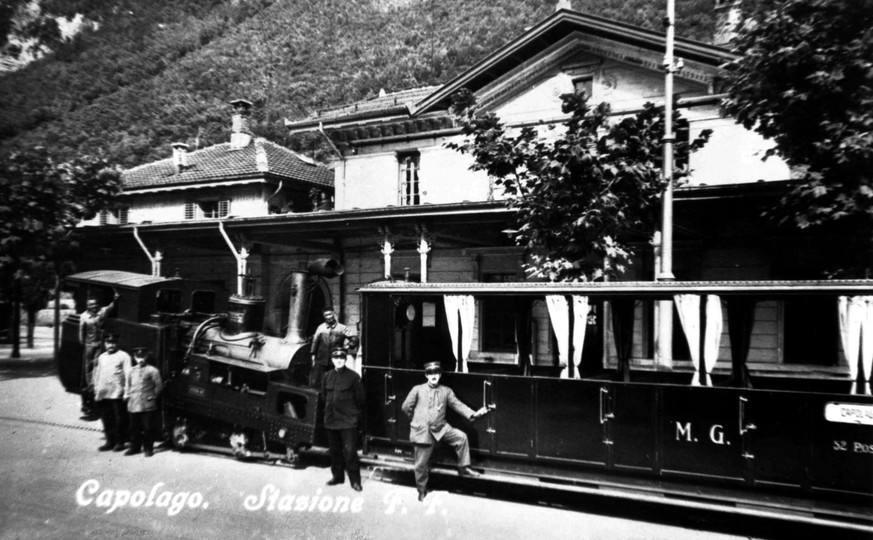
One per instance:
(162, 71)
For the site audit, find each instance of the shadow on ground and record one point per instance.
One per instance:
(13, 368)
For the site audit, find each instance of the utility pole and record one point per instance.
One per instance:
(664, 338)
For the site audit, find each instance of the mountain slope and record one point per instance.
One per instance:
(163, 71)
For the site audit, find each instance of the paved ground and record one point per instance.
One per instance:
(54, 484)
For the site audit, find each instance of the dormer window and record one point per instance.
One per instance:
(408, 185)
(584, 83)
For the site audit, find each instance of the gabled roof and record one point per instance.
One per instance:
(259, 159)
(550, 31)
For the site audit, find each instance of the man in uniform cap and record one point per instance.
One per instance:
(141, 392)
(426, 407)
(343, 396)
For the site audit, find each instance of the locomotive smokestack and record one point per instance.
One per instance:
(298, 308)
(298, 311)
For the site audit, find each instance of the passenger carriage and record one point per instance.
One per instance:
(590, 408)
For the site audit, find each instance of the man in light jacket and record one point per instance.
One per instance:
(141, 392)
(426, 407)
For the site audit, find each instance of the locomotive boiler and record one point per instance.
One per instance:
(230, 384)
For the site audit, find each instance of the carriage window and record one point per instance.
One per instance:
(680, 342)
(498, 318)
(168, 301)
(203, 302)
(811, 331)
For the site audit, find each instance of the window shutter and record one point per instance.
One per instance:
(104, 217)
(122, 216)
(189, 210)
(223, 208)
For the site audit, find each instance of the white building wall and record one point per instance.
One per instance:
(446, 177)
(370, 181)
(245, 201)
(732, 156)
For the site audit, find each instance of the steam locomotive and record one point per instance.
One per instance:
(229, 385)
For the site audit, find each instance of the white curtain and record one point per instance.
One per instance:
(712, 335)
(580, 322)
(464, 306)
(867, 343)
(851, 312)
(688, 306)
(560, 316)
(856, 320)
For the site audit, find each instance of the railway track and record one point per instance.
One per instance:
(693, 508)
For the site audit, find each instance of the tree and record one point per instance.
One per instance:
(580, 196)
(804, 78)
(41, 203)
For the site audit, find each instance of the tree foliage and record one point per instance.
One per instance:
(804, 79)
(581, 195)
(42, 201)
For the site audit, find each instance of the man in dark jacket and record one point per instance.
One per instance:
(329, 335)
(343, 396)
(426, 407)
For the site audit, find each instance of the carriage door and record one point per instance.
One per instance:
(572, 419)
(474, 390)
(775, 434)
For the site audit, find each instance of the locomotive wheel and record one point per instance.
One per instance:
(239, 445)
(292, 456)
(181, 437)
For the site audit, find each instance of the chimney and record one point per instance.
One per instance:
(180, 156)
(727, 20)
(240, 134)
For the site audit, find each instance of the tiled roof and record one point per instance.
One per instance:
(222, 162)
(400, 101)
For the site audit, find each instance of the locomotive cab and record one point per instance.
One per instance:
(149, 312)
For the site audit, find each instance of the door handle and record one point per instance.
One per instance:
(388, 397)
(604, 414)
(490, 406)
(744, 428)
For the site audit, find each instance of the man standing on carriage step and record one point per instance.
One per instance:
(426, 407)
(330, 335)
(91, 337)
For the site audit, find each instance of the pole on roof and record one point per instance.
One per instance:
(155, 259)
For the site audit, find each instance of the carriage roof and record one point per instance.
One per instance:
(649, 289)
